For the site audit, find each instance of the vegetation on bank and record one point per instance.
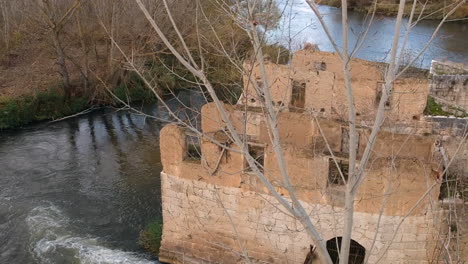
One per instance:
(82, 57)
(433, 10)
(53, 103)
(150, 238)
(47, 105)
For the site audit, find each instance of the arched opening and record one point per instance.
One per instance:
(357, 252)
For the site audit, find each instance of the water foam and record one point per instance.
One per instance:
(53, 242)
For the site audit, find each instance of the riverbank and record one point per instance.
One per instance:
(388, 8)
(44, 105)
(21, 103)
(52, 104)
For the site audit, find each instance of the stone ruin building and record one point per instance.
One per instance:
(214, 208)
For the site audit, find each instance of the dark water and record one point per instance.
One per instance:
(80, 190)
(301, 25)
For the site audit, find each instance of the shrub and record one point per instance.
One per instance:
(133, 89)
(45, 105)
(277, 53)
(436, 109)
(433, 108)
(150, 238)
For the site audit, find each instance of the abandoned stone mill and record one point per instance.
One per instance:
(215, 208)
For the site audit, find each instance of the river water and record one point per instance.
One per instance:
(301, 25)
(80, 190)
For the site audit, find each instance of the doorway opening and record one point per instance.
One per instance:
(357, 252)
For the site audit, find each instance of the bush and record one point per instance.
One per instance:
(277, 53)
(436, 109)
(133, 89)
(150, 238)
(46, 105)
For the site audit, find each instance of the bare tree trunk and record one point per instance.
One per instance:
(276, 144)
(85, 49)
(6, 24)
(349, 196)
(61, 61)
(297, 210)
(55, 27)
(111, 47)
(356, 171)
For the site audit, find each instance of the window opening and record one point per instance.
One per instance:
(448, 187)
(258, 154)
(388, 106)
(298, 94)
(379, 96)
(260, 84)
(334, 176)
(193, 148)
(320, 66)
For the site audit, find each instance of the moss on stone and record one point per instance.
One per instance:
(435, 109)
(150, 238)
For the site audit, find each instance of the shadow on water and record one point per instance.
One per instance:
(81, 190)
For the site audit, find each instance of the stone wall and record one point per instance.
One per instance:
(447, 68)
(450, 90)
(321, 77)
(449, 86)
(208, 223)
(216, 211)
(203, 199)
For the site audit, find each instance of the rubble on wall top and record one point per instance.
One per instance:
(448, 68)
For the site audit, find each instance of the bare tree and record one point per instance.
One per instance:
(252, 16)
(56, 21)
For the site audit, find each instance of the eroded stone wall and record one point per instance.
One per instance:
(321, 77)
(203, 200)
(449, 86)
(451, 90)
(208, 223)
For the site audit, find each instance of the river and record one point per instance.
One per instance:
(80, 190)
(300, 24)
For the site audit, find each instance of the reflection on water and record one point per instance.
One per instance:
(80, 190)
(300, 24)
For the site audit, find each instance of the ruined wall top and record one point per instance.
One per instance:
(448, 68)
(314, 81)
(309, 161)
(449, 86)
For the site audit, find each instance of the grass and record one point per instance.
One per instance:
(134, 90)
(46, 105)
(435, 109)
(16, 112)
(150, 238)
